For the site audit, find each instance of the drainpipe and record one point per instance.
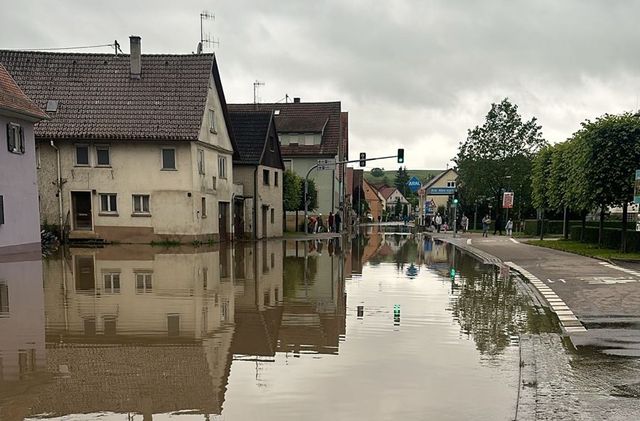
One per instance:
(59, 184)
(255, 203)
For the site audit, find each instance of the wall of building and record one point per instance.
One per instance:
(326, 182)
(268, 195)
(18, 187)
(441, 200)
(373, 200)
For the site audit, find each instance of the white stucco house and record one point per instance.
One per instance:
(138, 147)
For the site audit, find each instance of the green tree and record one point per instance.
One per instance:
(540, 173)
(498, 155)
(377, 172)
(312, 196)
(400, 182)
(397, 210)
(291, 191)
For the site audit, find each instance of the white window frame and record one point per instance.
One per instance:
(212, 121)
(15, 138)
(108, 210)
(175, 159)
(142, 211)
(108, 149)
(451, 183)
(222, 166)
(109, 278)
(146, 276)
(75, 155)
(201, 162)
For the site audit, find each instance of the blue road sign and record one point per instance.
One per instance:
(442, 190)
(414, 184)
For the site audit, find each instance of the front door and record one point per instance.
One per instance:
(81, 202)
(265, 211)
(223, 220)
(238, 219)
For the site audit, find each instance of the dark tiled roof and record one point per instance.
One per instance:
(308, 115)
(13, 99)
(250, 130)
(97, 99)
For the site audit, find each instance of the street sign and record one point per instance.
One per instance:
(636, 194)
(325, 167)
(326, 161)
(414, 184)
(429, 207)
(442, 190)
(507, 200)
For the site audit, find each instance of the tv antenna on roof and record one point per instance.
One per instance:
(206, 39)
(257, 84)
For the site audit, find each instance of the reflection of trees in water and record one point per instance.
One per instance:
(491, 309)
(293, 273)
(407, 253)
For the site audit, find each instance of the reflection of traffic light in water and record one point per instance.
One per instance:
(396, 314)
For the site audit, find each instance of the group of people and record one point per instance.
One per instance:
(440, 223)
(334, 223)
(486, 224)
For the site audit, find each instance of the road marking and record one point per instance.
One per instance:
(567, 318)
(469, 241)
(629, 271)
(514, 240)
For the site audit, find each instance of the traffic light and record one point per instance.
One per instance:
(452, 273)
(455, 198)
(400, 156)
(363, 159)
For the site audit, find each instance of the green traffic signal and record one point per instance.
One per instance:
(400, 156)
(452, 273)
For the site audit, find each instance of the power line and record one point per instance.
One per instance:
(69, 48)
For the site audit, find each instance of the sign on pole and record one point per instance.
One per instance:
(636, 193)
(326, 161)
(507, 200)
(414, 184)
(442, 191)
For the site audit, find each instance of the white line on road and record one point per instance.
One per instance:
(514, 240)
(469, 241)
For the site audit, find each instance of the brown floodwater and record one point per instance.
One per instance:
(386, 326)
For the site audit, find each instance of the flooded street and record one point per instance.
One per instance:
(386, 326)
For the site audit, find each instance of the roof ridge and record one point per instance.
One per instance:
(58, 53)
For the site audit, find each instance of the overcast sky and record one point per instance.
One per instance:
(411, 73)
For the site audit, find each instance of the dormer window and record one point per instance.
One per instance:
(15, 138)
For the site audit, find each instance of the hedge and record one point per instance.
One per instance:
(611, 237)
(532, 226)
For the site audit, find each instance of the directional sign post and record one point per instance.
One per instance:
(507, 200)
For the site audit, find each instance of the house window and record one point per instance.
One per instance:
(144, 282)
(204, 207)
(275, 178)
(4, 299)
(451, 183)
(200, 161)
(108, 203)
(212, 121)
(103, 157)
(222, 166)
(141, 203)
(168, 159)
(15, 138)
(111, 282)
(273, 219)
(1, 210)
(82, 155)
(265, 177)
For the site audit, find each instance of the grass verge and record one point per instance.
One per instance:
(585, 249)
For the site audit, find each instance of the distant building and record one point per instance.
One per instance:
(138, 146)
(259, 168)
(391, 196)
(308, 132)
(437, 191)
(19, 227)
(374, 200)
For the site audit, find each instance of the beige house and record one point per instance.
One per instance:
(138, 147)
(437, 191)
(259, 168)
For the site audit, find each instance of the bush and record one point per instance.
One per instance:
(532, 226)
(611, 237)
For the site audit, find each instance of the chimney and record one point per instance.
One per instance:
(296, 100)
(136, 61)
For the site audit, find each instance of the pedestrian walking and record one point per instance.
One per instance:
(509, 228)
(319, 224)
(338, 220)
(486, 221)
(330, 220)
(498, 227)
(465, 223)
(438, 222)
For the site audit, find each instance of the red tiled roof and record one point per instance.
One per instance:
(97, 98)
(13, 99)
(304, 117)
(386, 192)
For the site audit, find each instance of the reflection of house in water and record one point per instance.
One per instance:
(138, 330)
(21, 320)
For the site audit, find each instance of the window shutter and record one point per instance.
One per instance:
(21, 139)
(9, 140)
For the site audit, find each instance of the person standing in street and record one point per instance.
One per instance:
(438, 222)
(486, 221)
(338, 221)
(330, 221)
(465, 223)
(509, 228)
(498, 227)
